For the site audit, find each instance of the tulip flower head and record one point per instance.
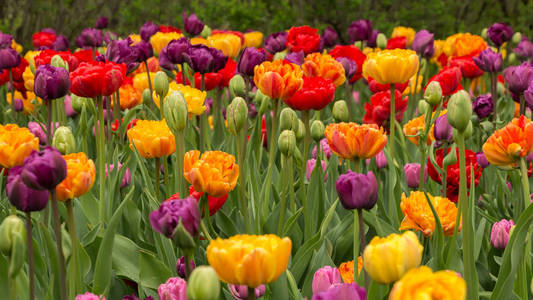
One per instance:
(278, 79)
(391, 66)
(508, 144)
(152, 138)
(354, 141)
(422, 283)
(80, 178)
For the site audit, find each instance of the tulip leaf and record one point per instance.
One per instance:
(293, 286)
(126, 258)
(52, 255)
(291, 221)
(152, 271)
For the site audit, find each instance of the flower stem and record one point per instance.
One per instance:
(284, 189)
(49, 123)
(157, 171)
(31, 266)
(355, 244)
(422, 177)
(60, 256)
(116, 115)
(74, 247)
(180, 152)
(349, 100)
(251, 293)
(363, 245)
(271, 152)
(241, 161)
(392, 200)
(150, 83)
(303, 192)
(100, 142)
(202, 117)
(494, 94)
(525, 182)
(522, 105)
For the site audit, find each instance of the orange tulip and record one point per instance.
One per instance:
(346, 269)
(469, 45)
(507, 145)
(412, 128)
(80, 176)
(422, 283)
(278, 79)
(418, 214)
(325, 66)
(129, 97)
(214, 172)
(152, 138)
(16, 143)
(354, 141)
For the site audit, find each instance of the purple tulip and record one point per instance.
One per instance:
(9, 58)
(144, 51)
(489, 61)
(122, 52)
(44, 170)
(90, 38)
(250, 58)
(518, 77)
(180, 266)
(329, 37)
(524, 48)
(357, 191)
(174, 288)
(499, 33)
(342, 291)
(325, 278)
(240, 292)
(171, 212)
(483, 106)
(192, 24)
(423, 43)
(443, 131)
(61, 43)
(412, 174)
(203, 59)
(21, 196)
(276, 42)
(360, 30)
(18, 105)
(350, 67)
(89, 296)
(6, 40)
(499, 235)
(51, 82)
(296, 57)
(528, 95)
(110, 36)
(173, 53)
(147, 30)
(482, 160)
(373, 39)
(37, 131)
(311, 163)
(101, 22)
(126, 179)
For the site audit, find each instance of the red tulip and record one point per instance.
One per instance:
(376, 87)
(18, 81)
(214, 203)
(316, 93)
(468, 67)
(92, 79)
(399, 42)
(85, 55)
(43, 39)
(168, 28)
(352, 53)
(378, 109)
(303, 38)
(45, 57)
(449, 79)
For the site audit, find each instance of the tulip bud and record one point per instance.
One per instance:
(13, 242)
(517, 37)
(412, 174)
(423, 106)
(482, 160)
(433, 93)
(450, 158)
(500, 89)
(381, 41)
(58, 62)
(236, 115)
(279, 56)
(18, 105)
(64, 140)
(206, 31)
(287, 142)
(183, 238)
(161, 84)
(288, 120)
(176, 111)
(78, 103)
(146, 96)
(459, 111)
(340, 111)
(237, 86)
(500, 233)
(484, 33)
(300, 132)
(358, 44)
(512, 58)
(317, 130)
(203, 284)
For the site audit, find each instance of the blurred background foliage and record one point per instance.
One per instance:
(24, 17)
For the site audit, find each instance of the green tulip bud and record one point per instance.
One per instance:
(147, 97)
(459, 110)
(433, 93)
(466, 133)
(58, 62)
(287, 142)
(280, 55)
(203, 284)
(500, 87)
(300, 131)
(484, 33)
(11, 227)
(358, 44)
(450, 158)
(236, 115)
(512, 58)
(161, 84)
(176, 112)
(381, 41)
(64, 140)
(517, 37)
(423, 106)
(317, 130)
(205, 32)
(288, 120)
(183, 238)
(340, 111)
(237, 86)
(78, 103)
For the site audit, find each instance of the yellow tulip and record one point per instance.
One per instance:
(161, 39)
(422, 284)
(29, 101)
(391, 66)
(388, 259)
(253, 39)
(28, 78)
(199, 40)
(136, 38)
(80, 176)
(249, 260)
(152, 138)
(16, 46)
(195, 98)
(407, 32)
(229, 44)
(30, 55)
(16, 143)
(140, 81)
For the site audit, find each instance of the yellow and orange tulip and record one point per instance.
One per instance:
(422, 283)
(354, 141)
(346, 269)
(80, 176)
(391, 66)
(325, 66)
(16, 143)
(278, 79)
(152, 138)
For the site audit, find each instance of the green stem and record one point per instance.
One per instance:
(355, 244)
(271, 152)
(204, 231)
(525, 182)
(363, 245)
(100, 143)
(522, 105)
(49, 134)
(303, 192)
(183, 78)
(116, 115)
(284, 189)
(157, 172)
(187, 264)
(392, 199)
(202, 121)
(241, 162)
(413, 95)
(180, 152)
(60, 255)
(74, 247)
(494, 94)
(349, 100)
(423, 158)
(150, 83)
(31, 266)
(251, 293)
(291, 185)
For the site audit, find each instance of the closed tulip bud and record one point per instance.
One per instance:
(203, 284)
(482, 160)
(433, 93)
(183, 238)
(236, 115)
(423, 106)
(512, 58)
(459, 111)
(161, 84)
(146, 96)
(237, 87)
(382, 41)
(279, 56)
(340, 111)
(58, 62)
(500, 87)
(205, 32)
(357, 191)
(287, 142)
(300, 132)
(325, 278)
(78, 103)
(64, 140)
(517, 38)
(500, 232)
(484, 33)
(358, 44)
(450, 158)
(44, 170)
(317, 130)
(288, 120)
(176, 111)
(11, 229)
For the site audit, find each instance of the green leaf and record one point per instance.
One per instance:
(152, 271)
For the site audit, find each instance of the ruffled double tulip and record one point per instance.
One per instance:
(465, 44)
(90, 38)
(325, 278)
(388, 259)
(354, 54)
(357, 191)
(195, 98)
(43, 39)
(499, 33)
(173, 212)
(45, 57)
(44, 170)
(378, 109)
(203, 59)
(9, 58)
(147, 30)
(21, 196)
(325, 66)
(507, 145)
(407, 32)
(489, 61)
(303, 38)
(249, 260)
(174, 288)
(422, 283)
(128, 94)
(518, 77)
(16, 143)
(250, 58)
(152, 138)
(228, 43)
(276, 42)
(316, 93)
(80, 177)
(449, 80)
(414, 127)
(278, 79)
(214, 172)
(423, 44)
(51, 82)
(160, 39)
(253, 39)
(466, 64)
(173, 53)
(360, 30)
(329, 38)
(354, 141)
(93, 79)
(391, 66)
(347, 271)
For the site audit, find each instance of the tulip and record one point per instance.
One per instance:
(89, 296)
(391, 66)
(483, 106)
(174, 53)
(144, 51)
(499, 234)
(240, 292)
(152, 138)
(173, 212)
(95, 79)
(482, 160)
(236, 115)
(412, 174)
(192, 24)
(381, 160)
(63, 140)
(360, 30)
(524, 48)
(44, 170)
(317, 130)
(174, 288)
(342, 291)
(507, 145)
(126, 179)
(253, 39)
(459, 110)
(12, 232)
(357, 191)
(276, 42)
(296, 58)
(9, 58)
(423, 44)
(278, 79)
(325, 278)
(90, 38)
(18, 105)
(329, 38)
(21, 196)
(346, 140)
(442, 130)
(101, 22)
(181, 268)
(311, 163)
(499, 33)
(303, 38)
(489, 61)
(147, 30)
(316, 93)
(325, 66)
(61, 43)
(422, 283)
(250, 58)
(433, 93)
(203, 59)
(340, 111)
(348, 65)
(122, 51)
(324, 146)
(518, 77)
(6, 40)
(203, 284)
